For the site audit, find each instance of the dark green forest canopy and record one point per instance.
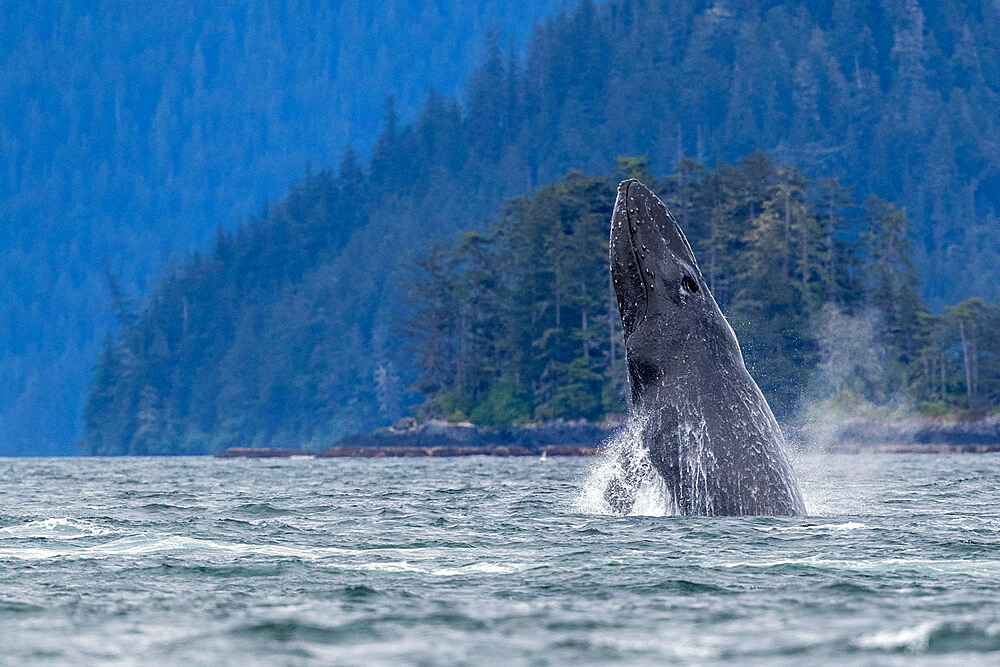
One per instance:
(518, 322)
(894, 98)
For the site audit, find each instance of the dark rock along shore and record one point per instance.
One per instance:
(582, 438)
(441, 438)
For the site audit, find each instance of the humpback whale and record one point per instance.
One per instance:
(704, 425)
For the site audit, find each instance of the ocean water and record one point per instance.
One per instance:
(483, 560)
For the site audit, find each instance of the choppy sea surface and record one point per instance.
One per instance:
(486, 560)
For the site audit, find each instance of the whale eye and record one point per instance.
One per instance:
(689, 284)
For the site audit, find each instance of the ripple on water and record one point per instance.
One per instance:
(205, 561)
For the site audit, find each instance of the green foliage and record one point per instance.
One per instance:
(824, 301)
(578, 393)
(633, 167)
(505, 403)
(937, 409)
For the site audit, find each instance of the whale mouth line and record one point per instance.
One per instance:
(635, 251)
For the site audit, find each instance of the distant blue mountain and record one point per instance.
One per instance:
(130, 130)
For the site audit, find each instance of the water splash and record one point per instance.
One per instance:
(832, 485)
(624, 481)
(625, 463)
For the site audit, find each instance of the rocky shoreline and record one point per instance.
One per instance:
(408, 451)
(408, 438)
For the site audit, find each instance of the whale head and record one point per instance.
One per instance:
(670, 319)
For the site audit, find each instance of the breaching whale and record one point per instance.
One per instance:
(705, 426)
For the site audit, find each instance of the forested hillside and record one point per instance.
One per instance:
(897, 99)
(130, 130)
(519, 323)
(861, 91)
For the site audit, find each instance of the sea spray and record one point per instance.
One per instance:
(837, 485)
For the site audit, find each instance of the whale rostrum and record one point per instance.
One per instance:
(706, 428)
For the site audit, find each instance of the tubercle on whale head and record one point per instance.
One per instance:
(630, 288)
(652, 264)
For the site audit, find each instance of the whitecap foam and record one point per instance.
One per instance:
(481, 568)
(139, 545)
(914, 638)
(814, 528)
(30, 553)
(389, 566)
(849, 525)
(143, 544)
(55, 528)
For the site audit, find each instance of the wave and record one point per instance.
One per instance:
(138, 545)
(264, 510)
(294, 629)
(907, 565)
(810, 530)
(481, 568)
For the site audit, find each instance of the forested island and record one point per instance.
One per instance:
(333, 312)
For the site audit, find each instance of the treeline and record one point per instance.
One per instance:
(520, 323)
(236, 345)
(898, 98)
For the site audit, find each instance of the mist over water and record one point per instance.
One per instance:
(488, 560)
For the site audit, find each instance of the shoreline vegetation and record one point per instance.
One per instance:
(437, 438)
(518, 324)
